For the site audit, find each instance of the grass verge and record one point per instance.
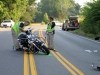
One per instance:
(80, 32)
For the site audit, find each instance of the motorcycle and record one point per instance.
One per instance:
(31, 42)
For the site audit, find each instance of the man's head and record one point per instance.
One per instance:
(51, 18)
(26, 23)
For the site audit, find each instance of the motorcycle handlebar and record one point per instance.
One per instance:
(29, 30)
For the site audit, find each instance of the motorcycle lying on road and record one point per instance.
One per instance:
(31, 42)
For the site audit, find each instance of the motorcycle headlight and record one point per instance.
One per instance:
(29, 36)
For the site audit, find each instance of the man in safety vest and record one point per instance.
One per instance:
(16, 29)
(50, 31)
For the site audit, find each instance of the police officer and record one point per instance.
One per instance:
(16, 29)
(50, 31)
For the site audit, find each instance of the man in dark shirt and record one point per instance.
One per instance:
(50, 33)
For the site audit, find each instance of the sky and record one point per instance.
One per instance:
(81, 2)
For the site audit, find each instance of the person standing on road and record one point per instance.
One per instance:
(50, 31)
(16, 29)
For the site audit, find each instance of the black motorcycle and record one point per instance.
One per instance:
(31, 43)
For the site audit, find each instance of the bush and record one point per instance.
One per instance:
(42, 23)
(91, 35)
(91, 22)
(82, 33)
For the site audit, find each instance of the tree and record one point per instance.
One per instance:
(45, 18)
(29, 15)
(14, 9)
(59, 9)
(1, 10)
(91, 13)
(74, 10)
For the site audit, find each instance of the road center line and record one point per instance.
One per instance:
(26, 69)
(32, 64)
(28, 57)
(66, 61)
(73, 67)
(66, 66)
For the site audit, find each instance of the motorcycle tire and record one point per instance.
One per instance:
(45, 50)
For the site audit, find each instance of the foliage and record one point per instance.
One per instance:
(42, 23)
(29, 15)
(28, 10)
(14, 9)
(59, 9)
(45, 18)
(91, 13)
(74, 10)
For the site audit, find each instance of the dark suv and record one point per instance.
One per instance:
(71, 23)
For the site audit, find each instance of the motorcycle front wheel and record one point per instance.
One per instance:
(45, 50)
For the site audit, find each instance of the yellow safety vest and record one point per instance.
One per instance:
(49, 29)
(16, 28)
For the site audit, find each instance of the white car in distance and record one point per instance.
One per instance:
(58, 23)
(7, 23)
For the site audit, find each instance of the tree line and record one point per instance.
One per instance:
(59, 9)
(16, 10)
(29, 10)
(91, 18)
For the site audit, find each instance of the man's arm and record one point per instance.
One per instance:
(53, 25)
(21, 27)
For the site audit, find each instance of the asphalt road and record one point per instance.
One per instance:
(74, 56)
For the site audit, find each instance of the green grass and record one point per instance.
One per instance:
(80, 32)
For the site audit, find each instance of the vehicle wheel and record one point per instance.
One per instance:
(45, 50)
(66, 29)
(62, 28)
(34, 50)
(10, 26)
